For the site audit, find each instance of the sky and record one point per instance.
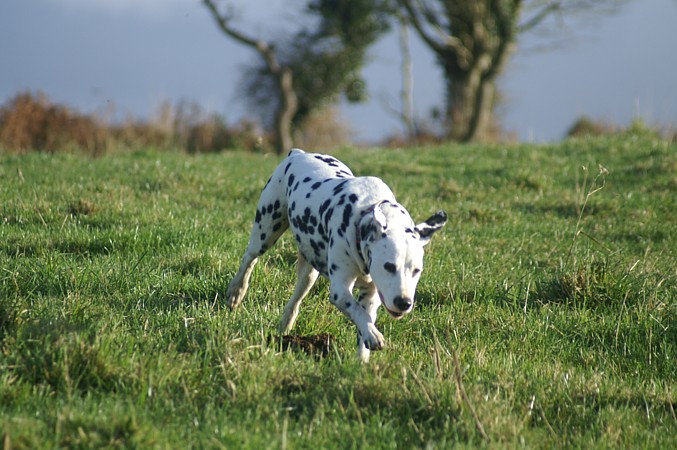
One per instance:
(129, 56)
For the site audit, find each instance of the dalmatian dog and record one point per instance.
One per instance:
(349, 229)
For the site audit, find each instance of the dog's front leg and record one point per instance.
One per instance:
(368, 299)
(341, 296)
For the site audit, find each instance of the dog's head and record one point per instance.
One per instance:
(393, 248)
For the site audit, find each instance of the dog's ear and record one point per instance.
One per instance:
(430, 226)
(379, 218)
(375, 225)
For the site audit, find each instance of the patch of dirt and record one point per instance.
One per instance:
(317, 345)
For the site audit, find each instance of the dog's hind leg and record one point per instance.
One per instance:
(240, 283)
(269, 224)
(306, 276)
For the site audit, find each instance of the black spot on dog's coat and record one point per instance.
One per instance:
(324, 206)
(331, 161)
(327, 217)
(390, 267)
(347, 214)
(339, 187)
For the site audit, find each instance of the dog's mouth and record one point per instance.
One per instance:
(393, 314)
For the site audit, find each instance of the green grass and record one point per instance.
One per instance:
(560, 302)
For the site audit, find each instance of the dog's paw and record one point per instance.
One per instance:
(373, 340)
(232, 305)
(234, 297)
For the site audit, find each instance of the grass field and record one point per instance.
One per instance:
(554, 284)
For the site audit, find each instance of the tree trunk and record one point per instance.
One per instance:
(407, 94)
(285, 112)
(470, 102)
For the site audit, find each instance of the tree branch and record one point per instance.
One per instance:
(507, 30)
(264, 48)
(540, 16)
(416, 22)
(444, 41)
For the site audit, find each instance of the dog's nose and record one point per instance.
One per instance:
(403, 303)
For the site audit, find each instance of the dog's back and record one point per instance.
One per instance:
(324, 200)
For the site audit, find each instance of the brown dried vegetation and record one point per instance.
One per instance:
(31, 122)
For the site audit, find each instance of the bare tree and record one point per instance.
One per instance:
(313, 67)
(473, 39)
(287, 105)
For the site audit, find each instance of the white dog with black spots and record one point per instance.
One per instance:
(348, 229)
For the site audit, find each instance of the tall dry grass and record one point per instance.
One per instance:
(31, 122)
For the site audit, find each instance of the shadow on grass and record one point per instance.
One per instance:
(582, 411)
(64, 355)
(566, 209)
(595, 283)
(367, 399)
(426, 298)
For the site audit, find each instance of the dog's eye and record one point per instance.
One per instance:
(416, 271)
(390, 267)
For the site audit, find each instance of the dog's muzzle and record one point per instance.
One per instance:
(403, 304)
